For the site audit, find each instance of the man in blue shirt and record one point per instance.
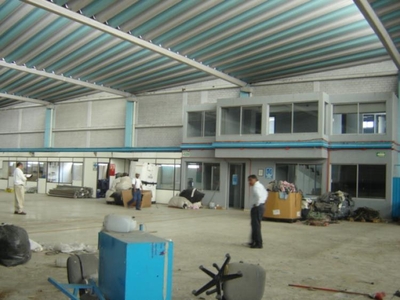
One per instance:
(259, 196)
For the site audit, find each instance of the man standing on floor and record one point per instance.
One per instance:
(257, 202)
(19, 189)
(137, 191)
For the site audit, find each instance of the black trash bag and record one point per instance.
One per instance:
(192, 194)
(15, 248)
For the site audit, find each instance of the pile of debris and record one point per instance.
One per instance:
(69, 191)
(366, 214)
(337, 205)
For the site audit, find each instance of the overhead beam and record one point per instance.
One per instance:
(25, 99)
(54, 8)
(62, 78)
(380, 30)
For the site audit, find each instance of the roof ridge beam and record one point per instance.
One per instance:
(63, 78)
(380, 30)
(25, 99)
(54, 8)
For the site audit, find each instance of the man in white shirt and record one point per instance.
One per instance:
(258, 199)
(136, 192)
(19, 189)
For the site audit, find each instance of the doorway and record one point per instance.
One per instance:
(236, 186)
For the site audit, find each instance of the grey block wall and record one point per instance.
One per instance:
(159, 117)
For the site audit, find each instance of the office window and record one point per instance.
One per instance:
(372, 118)
(77, 172)
(251, 120)
(293, 118)
(305, 117)
(201, 124)
(282, 118)
(210, 123)
(306, 177)
(4, 170)
(344, 178)
(230, 120)
(32, 168)
(241, 120)
(169, 177)
(345, 119)
(62, 172)
(211, 177)
(203, 176)
(65, 172)
(361, 181)
(372, 181)
(362, 118)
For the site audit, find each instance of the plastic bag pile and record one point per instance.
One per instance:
(15, 246)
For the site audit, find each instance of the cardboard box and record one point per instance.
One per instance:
(285, 209)
(146, 198)
(126, 197)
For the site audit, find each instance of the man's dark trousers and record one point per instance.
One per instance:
(257, 213)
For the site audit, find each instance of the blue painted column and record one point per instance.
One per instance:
(48, 128)
(129, 124)
(396, 173)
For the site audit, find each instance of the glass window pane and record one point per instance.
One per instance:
(345, 119)
(372, 118)
(194, 176)
(42, 170)
(344, 178)
(305, 117)
(77, 171)
(372, 181)
(167, 176)
(309, 179)
(211, 177)
(286, 172)
(4, 170)
(11, 168)
(66, 172)
(177, 186)
(251, 120)
(282, 115)
(195, 124)
(32, 167)
(210, 121)
(230, 120)
(53, 171)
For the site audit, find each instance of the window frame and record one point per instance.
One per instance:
(202, 123)
(202, 166)
(292, 117)
(241, 107)
(357, 182)
(360, 117)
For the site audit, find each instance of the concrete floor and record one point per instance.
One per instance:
(344, 256)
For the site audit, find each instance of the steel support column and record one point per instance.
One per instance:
(129, 124)
(380, 30)
(48, 129)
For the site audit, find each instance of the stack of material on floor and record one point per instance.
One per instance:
(318, 219)
(366, 214)
(68, 191)
(337, 205)
(182, 202)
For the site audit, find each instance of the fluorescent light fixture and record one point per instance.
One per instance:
(193, 166)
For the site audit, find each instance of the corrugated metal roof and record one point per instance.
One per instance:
(250, 40)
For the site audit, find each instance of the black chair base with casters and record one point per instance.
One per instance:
(218, 279)
(249, 281)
